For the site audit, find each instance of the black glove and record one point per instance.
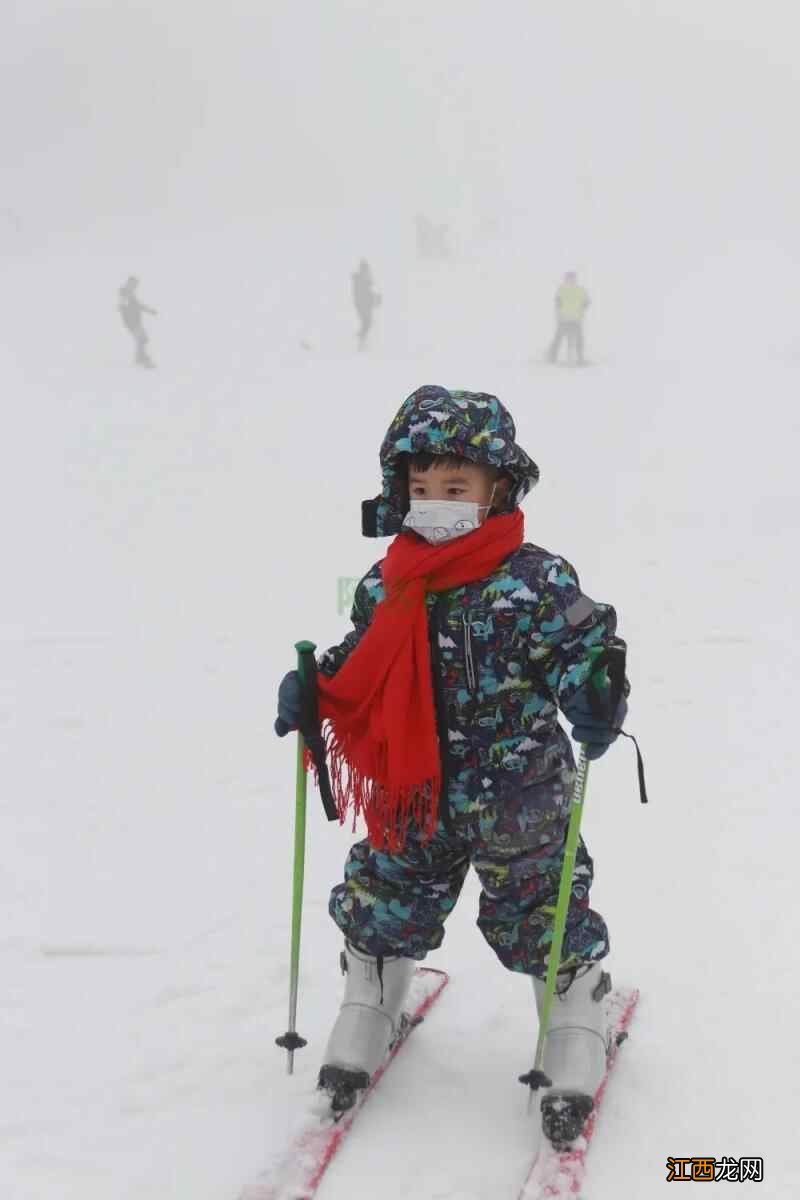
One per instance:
(291, 699)
(594, 731)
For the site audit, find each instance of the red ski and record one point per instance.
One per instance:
(298, 1174)
(560, 1173)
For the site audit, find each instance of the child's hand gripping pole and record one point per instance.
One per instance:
(291, 1040)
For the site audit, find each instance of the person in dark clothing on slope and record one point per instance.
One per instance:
(366, 300)
(131, 310)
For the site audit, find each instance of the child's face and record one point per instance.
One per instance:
(468, 481)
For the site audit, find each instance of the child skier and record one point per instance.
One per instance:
(442, 729)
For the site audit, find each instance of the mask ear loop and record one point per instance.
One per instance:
(488, 506)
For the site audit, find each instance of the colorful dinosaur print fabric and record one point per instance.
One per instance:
(506, 652)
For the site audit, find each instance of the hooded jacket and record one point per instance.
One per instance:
(506, 651)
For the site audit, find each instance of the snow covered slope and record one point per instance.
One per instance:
(168, 536)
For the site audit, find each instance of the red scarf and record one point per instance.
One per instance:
(382, 744)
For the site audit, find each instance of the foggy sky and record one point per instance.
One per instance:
(633, 121)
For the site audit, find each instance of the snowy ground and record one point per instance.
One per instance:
(167, 537)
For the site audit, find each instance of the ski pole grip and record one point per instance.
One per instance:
(305, 650)
(606, 684)
(310, 724)
(617, 655)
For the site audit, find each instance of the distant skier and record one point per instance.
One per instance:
(431, 239)
(131, 310)
(572, 301)
(365, 298)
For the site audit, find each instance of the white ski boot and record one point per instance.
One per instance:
(368, 1022)
(575, 1050)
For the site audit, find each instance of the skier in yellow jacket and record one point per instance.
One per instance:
(572, 301)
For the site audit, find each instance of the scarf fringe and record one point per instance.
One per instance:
(388, 812)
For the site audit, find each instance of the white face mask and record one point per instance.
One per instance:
(441, 521)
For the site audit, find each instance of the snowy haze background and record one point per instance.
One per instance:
(167, 536)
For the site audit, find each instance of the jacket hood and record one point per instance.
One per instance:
(433, 420)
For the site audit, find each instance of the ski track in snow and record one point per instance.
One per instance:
(168, 537)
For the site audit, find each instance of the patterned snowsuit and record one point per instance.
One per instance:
(505, 652)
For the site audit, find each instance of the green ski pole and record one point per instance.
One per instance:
(291, 1040)
(536, 1078)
